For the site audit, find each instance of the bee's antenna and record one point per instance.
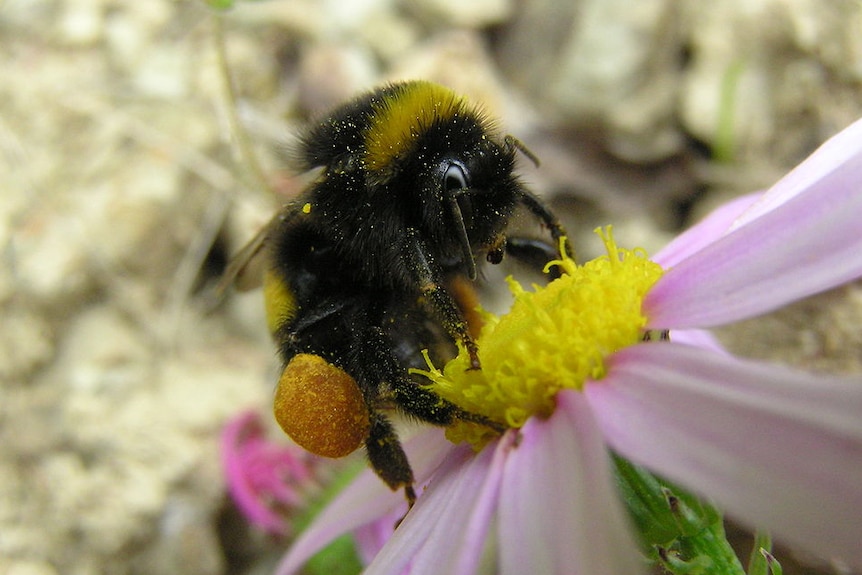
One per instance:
(513, 143)
(463, 238)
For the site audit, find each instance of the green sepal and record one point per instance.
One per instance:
(761, 561)
(677, 530)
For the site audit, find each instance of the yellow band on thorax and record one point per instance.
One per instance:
(402, 116)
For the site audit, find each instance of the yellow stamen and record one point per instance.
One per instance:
(556, 337)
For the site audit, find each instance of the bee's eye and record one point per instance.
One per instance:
(454, 178)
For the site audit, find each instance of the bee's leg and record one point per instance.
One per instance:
(387, 457)
(385, 382)
(426, 405)
(534, 253)
(541, 211)
(453, 320)
(410, 397)
(429, 280)
(374, 364)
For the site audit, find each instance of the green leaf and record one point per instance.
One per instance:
(339, 557)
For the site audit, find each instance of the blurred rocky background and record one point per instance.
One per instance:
(122, 194)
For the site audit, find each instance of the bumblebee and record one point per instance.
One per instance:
(375, 262)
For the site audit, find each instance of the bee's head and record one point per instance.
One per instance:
(447, 166)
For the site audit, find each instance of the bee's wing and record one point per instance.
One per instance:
(245, 269)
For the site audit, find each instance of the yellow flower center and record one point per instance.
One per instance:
(556, 337)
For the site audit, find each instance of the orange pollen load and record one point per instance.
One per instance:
(321, 407)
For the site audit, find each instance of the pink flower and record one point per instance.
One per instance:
(264, 479)
(775, 448)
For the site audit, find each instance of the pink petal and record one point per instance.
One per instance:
(807, 244)
(365, 500)
(371, 537)
(698, 338)
(776, 448)
(559, 511)
(841, 149)
(709, 229)
(447, 530)
(838, 150)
